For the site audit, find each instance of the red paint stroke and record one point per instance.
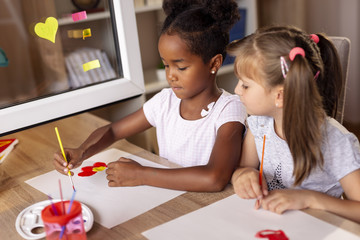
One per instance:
(89, 170)
(272, 234)
(99, 164)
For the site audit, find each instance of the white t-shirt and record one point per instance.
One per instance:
(190, 142)
(340, 149)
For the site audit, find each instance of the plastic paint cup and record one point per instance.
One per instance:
(73, 222)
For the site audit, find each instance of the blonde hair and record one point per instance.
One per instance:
(258, 58)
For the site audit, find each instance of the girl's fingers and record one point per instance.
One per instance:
(264, 187)
(109, 171)
(276, 206)
(252, 190)
(247, 186)
(58, 158)
(257, 204)
(110, 165)
(258, 194)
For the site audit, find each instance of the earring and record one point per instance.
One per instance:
(212, 71)
(276, 104)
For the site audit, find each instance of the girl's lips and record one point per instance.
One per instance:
(175, 87)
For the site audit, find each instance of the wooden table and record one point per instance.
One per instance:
(33, 156)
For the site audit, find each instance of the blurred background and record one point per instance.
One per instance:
(48, 68)
(335, 18)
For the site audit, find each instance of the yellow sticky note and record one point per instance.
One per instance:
(86, 33)
(48, 29)
(91, 65)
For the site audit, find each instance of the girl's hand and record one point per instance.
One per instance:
(123, 172)
(246, 183)
(73, 156)
(279, 201)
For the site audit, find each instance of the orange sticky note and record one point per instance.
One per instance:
(91, 65)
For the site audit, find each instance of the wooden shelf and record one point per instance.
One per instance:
(148, 8)
(90, 17)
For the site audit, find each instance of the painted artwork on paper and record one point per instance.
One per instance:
(91, 170)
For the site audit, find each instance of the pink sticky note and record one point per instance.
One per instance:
(79, 16)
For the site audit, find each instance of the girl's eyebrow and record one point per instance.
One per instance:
(175, 60)
(244, 81)
(178, 60)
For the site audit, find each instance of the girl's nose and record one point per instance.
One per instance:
(171, 77)
(238, 89)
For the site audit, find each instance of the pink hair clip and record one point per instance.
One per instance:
(316, 75)
(315, 38)
(295, 51)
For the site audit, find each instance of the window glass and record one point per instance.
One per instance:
(48, 47)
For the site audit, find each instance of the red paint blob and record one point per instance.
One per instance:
(272, 235)
(88, 171)
(99, 164)
(86, 174)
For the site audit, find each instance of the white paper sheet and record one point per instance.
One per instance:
(110, 206)
(233, 219)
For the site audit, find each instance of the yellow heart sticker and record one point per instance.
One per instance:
(48, 29)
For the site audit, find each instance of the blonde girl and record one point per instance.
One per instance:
(310, 159)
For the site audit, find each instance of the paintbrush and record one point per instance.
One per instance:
(64, 155)
(261, 169)
(67, 212)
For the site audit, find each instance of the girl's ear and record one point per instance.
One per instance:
(279, 96)
(216, 63)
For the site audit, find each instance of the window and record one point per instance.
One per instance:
(54, 63)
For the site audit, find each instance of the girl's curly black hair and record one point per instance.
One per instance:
(203, 24)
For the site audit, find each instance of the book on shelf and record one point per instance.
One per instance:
(6, 146)
(75, 60)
